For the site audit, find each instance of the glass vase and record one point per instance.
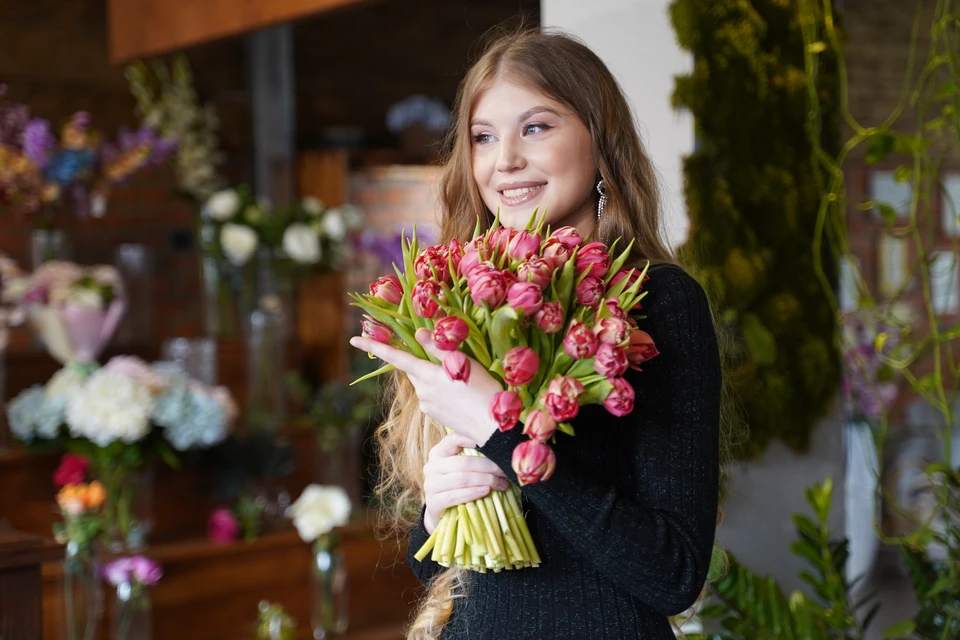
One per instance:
(196, 357)
(219, 300)
(82, 590)
(329, 606)
(47, 245)
(134, 262)
(266, 368)
(128, 510)
(132, 613)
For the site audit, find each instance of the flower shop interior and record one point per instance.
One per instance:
(190, 192)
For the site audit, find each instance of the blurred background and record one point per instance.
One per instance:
(245, 165)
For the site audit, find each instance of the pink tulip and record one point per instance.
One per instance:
(387, 288)
(566, 386)
(499, 239)
(457, 366)
(525, 297)
(640, 349)
(557, 252)
(480, 246)
(509, 278)
(540, 426)
(580, 342)
(613, 306)
(593, 258)
(550, 317)
(450, 332)
(539, 271)
(506, 407)
(610, 360)
(222, 526)
(478, 270)
(469, 261)
(432, 264)
(455, 251)
(426, 298)
(520, 366)
(562, 399)
(612, 331)
(569, 236)
(524, 245)
(619, 401)
(376, 330)
(488, 289)
(533, 462)
(590, 291)
(623, 273)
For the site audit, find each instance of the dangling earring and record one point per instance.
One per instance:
(602, 190)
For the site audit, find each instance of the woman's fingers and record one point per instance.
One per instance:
(451, 445)
(456, 464)
(436, 484)
(442, 501)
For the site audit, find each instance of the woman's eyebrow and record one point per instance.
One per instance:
(476, 122)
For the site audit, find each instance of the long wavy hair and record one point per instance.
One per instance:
(565, 70)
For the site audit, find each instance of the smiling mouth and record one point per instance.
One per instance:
(521, 194)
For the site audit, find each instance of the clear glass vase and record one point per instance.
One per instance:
(128, 510)
(132, 613)
(47, 245)
(330, 602)
(266, 368)
(82, 590)
(134, 262)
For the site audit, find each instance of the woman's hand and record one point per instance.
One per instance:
(462, 407)
(450, 479)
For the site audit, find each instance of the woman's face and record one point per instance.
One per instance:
(531, 152)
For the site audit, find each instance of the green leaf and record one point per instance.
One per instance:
(760, 341)
(902, 174)
(879, 147)
(900, 629)
(888, 213)
(946, 90)
(942, 584)
(817, 47)
(502, 336)
(373, 374)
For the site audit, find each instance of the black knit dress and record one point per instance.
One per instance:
(625, 527)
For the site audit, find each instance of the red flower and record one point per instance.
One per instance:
(455, 250)
(426, 294)
(432, 264)
(619, 401)
(640, 349)
(590, 291)
(387, 288)
(550, 317)
(520, 366)
(525, 297)
(540, 426)
(612, 331)
(376, 330)
(562, 398)
(569, 236)
(72, 470)
(524, 245)
(222, 527)
(593, 258)
(506, 407)
(580, 342)
(539, 271)
(610, 360)
(457, 366)
(488, 289)
(557, 252)
(533, 462)
(450, 332)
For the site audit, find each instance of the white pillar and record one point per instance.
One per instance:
(636, 40)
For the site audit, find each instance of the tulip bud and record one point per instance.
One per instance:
(449, 333)
(568, 236)
(640, 349)
(613, 306)
(533, 462)
(477, 270)
(524, 245)
(520, 366)
(580, 342)
(469, 261)
(593, 258)
(550, 317)
(426, 298)
(539, 271)
(562, 398)
(432, 264)
(457, 366)
(499, 239)
(634, 276)
(619, 401)
(612, 331)
(525, 297)
(506, 407)
(610, 360)
(488, 289)
(376, 330)
(387, 288)
(557, 252)
(455, 251)
(590, 291)
(540, 426)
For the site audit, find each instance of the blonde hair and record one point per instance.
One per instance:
(563, 69)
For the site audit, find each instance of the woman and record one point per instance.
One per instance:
(625, 527)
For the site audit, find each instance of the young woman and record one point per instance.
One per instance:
(625, 527)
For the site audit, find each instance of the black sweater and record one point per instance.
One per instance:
(625, 527)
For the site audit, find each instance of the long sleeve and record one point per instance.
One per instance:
(428, 569)
(651, 533)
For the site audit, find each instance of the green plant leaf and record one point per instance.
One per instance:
(879, 147)
(760, 341)
(900, 629)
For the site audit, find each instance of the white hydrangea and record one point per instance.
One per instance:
(111, 406)
(64, 384)
(318, 510)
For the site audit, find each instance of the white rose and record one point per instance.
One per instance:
(238, 243)
(111, 406)
(334, 225)
(301, 243)
(318, 510)
(222, 205)
(313, 206)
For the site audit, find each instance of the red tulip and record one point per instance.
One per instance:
(557, 252)
(539, 271)
(640, 349)
(590, 291)
(540, 426)
(455, 251)
(506, 407)
(376, 330)
(613, 305)
(471, 258)
(427, 294)
(387, 288)
(593, 258)
(450, 332)
(562, 398)
(520, 366)
(569, 236)
(509, 278)
(432, 264)
(525, 297)
(580, 342)
(610, 360)
(619, 401)
(612, 331)
(550, 317)
(623, 273)
(533, 462)
(488, 289)
(457, 366)
(524, 245)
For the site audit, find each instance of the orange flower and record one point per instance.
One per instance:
(95, 495)
(70, 500)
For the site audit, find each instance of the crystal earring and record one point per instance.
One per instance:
(602, 190)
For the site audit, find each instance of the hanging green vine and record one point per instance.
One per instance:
(752, 197)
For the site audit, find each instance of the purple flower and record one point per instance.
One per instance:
(38, 142)
(139, 568)
(13, 119)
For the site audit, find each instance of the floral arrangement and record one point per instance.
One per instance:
(78, 502)
(167, 100)
(317, 512)
(306, 235)
(868, 386)
(11, 313)
(73, 309)
(548, 314)
(137, 571)
(131, 576)
(39, 169)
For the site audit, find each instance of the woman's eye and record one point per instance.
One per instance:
(482, 138)
(535, 128)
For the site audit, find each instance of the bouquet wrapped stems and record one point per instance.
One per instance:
(486, 534)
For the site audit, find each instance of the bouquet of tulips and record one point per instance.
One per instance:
(547, 313)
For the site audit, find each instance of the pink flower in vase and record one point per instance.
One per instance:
(222, 526)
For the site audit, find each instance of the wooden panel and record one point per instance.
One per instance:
(140, 28)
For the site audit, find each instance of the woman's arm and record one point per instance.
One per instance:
(656, 539)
